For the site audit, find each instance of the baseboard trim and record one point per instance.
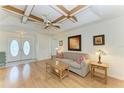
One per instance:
(44, 60)
(116, 77)
(22, 62)
(19, 63)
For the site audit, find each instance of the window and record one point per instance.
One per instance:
(26, 48)
(14, 48)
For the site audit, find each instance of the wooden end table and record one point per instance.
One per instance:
(102, 66)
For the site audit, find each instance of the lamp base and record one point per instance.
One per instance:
(99, 62)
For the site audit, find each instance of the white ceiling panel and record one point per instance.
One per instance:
(87, 16)
(83, 18)
(47, 11)
(108, 11)
(4, 15)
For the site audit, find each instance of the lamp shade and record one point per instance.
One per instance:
(100, 52)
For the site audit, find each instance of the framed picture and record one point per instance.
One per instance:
(74, 43)
(61, 43)
(99, 40)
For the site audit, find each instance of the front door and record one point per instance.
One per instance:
(20, 49)
(28, 50)
(13, 53)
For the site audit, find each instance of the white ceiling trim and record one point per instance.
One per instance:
(27, 13)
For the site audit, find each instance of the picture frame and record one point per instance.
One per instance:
(99, 40)
(60, 43)
(74, 43)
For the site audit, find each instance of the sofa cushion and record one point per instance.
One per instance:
(75, 65)
(67, 61)
(74, 56)
(70, 62)
(67, 55)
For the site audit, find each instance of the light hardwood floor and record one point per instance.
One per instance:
(33, 75)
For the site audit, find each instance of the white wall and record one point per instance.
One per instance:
(114, 43)
(42, 47)
(54, 45)
(4, 38)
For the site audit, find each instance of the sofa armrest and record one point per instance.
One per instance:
(85, 68)
(85, 63)
(82, 64)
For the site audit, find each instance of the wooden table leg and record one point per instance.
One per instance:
(68, 71)
(60, 75)
(91, 72)
(105, 75)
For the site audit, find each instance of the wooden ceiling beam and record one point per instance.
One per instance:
(61, 7)
(59, 19)
(35, 18)
(21, 12)
(13, 9)
(66, 14)
(76, 9)
(71, 13)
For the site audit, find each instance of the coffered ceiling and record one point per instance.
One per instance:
(67, 16)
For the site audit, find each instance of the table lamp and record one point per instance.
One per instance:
(100, 53)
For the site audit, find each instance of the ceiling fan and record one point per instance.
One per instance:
(48, 23)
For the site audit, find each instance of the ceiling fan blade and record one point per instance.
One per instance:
(32, 20)
(46, 27)
(74, 18)
(71, 20)
(56, 26)
(59, 19)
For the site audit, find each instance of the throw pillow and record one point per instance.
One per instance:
(80, 59)
(59, 55)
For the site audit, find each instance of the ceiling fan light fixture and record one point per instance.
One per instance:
(47, 24)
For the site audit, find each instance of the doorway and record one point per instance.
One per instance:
(20, 49)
